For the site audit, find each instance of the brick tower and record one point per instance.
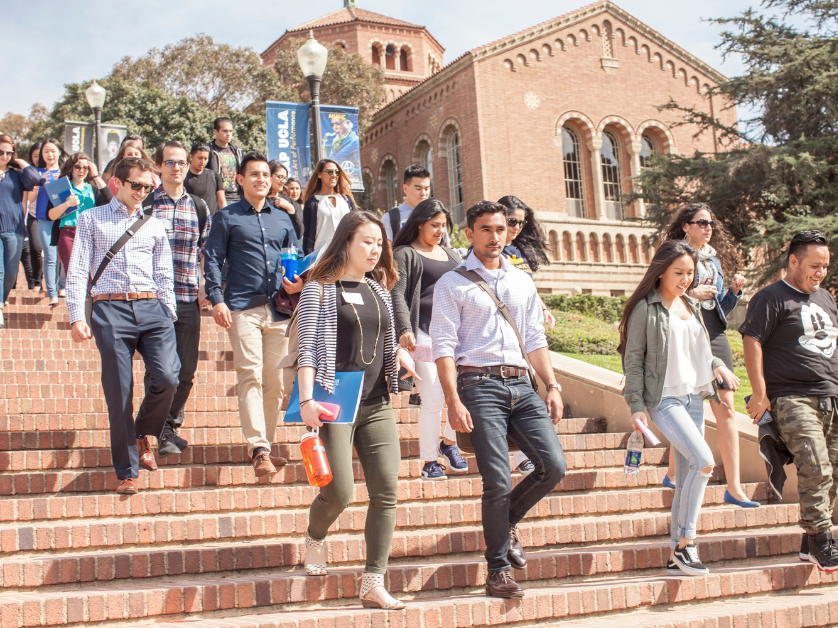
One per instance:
(407, 53)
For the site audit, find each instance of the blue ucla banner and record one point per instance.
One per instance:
(340, 140)
(288, 137)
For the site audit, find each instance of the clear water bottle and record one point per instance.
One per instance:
(634, 452)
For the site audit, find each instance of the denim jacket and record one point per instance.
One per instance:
(647, 352)
(725, 300)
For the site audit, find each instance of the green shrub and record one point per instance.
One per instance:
(608, 309)
(577, 333)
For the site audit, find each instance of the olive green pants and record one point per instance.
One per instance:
(376, 439)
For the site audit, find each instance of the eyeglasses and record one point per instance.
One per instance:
(6, 153)
(281, 177)
(703, 223)
(330, 172)
(139, 186)
(514, 222)
(170, 163)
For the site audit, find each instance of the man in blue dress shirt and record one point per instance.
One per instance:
(250, 235)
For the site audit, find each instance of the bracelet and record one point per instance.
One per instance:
(302, 403)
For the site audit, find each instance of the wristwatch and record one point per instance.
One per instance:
(556, 386)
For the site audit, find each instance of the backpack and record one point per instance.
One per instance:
(395, 221)
(200, 208)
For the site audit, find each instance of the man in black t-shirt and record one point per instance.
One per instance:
(203, 182)
(789, 339)
(226, 157)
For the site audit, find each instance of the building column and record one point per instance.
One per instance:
(594, 145)
(634, 151)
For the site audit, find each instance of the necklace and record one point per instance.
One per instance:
(361, 327)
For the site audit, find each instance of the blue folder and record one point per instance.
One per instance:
(59, 191)
(347, 395)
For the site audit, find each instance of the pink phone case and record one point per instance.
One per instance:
(331, 407)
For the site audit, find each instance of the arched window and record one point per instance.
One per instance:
(426, 160)
(621, 249)
(455, 176)
(573, 184)
(607, 252)
(581, 253)
(593, 245)
(644, 249)
(391, 184)
(404, 62)
(612, 178)
(648, 148)
(554, 245)
(366, 199)
(390, 57)
(567, 247)
(633, 249)
(376, 55)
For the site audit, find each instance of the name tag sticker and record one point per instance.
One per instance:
(353, 297)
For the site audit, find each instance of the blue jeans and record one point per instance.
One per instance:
(681, 420)
(54, 277)
(499, 406)
(11, 248)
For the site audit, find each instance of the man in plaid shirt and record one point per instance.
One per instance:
(187, 221)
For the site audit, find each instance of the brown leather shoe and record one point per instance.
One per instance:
(278, 461)
(127, 487)
(262, 464)
(147, 460)
(515, 555)
(501, 584)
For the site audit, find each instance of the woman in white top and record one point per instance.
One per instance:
(328, 198)
(670, 369)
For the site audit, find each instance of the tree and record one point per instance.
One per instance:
(20, 127)
(785, 179)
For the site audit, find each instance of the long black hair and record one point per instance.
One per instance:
(726, 250)
(531, 241)
(35, 146)
(667, 253)
(62, 154)
(427, 210)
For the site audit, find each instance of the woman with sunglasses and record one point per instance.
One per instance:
(51, 159)
(16, 179)
(328, 198)
(278, 198)
(82, 172)
(526, 248)
(695, 225)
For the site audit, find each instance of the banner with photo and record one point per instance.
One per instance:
(340, 141)
(288, 137)
(78, 136)
(112, 136)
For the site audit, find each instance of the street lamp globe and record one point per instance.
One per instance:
(312, 57)
(95, 95)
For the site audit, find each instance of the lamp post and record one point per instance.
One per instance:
(95, 95)
(312, 57)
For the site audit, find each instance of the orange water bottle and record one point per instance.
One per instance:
(314, 458)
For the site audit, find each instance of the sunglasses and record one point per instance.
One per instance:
(170, 163)
(81, 167)
(703, 223)
(139, 186)
(6, 153)
(281, 177)
(335, 173)
(514, 222)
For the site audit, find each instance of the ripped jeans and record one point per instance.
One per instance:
(681, 421)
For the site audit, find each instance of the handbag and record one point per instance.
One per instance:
(464, 438)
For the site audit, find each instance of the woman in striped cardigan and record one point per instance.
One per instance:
(347, 296)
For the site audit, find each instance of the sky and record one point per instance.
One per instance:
(100, 34)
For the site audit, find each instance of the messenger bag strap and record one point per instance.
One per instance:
(117, 246)
(472, 276)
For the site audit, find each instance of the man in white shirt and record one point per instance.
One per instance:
(484, 377)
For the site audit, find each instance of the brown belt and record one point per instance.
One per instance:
(125, 296)
(499, 371)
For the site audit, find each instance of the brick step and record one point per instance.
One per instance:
(551, 600)
(607, 555)
(143, 520)
(24, 360)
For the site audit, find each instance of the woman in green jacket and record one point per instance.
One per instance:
(670, 369)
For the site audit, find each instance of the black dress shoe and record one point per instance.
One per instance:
(501, 584)
(516, 555)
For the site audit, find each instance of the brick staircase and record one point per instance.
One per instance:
(207, 545)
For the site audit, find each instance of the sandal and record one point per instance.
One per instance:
(374, 595)
(315, 557)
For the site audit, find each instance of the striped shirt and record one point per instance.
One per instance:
(317, 324)
(180, 218)
(467, 326)
(144, 264)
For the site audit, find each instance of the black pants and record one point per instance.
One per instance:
(121, 328)
(31, 258)
(188, 335)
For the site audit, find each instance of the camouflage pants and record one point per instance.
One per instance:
(811, 436)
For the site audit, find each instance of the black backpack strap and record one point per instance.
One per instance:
(395, 221)
(203, 211)
(117, 246)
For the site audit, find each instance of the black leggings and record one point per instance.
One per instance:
(33, 267)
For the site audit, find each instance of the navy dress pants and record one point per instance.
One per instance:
(121, 328)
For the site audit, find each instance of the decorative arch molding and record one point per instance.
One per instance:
(662, 129)
(443, 134)
(587, 127)
(422, 137)
(619, 122)
(387, 157)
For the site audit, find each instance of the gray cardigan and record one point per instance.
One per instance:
(405, 294)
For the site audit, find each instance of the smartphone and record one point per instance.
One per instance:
(331, 407)
(766, 417)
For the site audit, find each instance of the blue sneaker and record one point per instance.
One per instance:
(453, 457)
(433, 471)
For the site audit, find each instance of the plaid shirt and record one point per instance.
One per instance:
(180, 219)
(144, 264)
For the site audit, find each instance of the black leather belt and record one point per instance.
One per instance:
(498, 371)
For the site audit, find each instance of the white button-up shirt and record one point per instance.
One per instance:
(144, 264)
(467, 326)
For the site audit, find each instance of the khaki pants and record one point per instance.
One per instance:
(259, 343)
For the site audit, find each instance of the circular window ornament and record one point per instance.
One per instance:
(531, 100)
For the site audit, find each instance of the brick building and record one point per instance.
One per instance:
(562, 115)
